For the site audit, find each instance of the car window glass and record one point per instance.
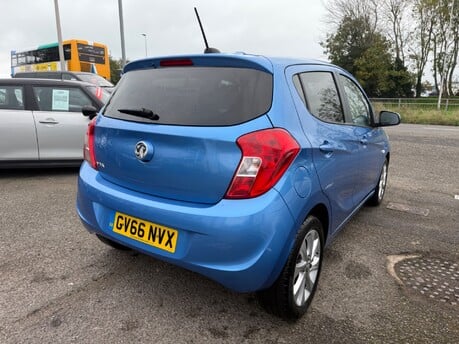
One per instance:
(358, 105)
(60, 99)
(94, 79)
(299, 88)
(193, 95)
(100, 93)
(11, 97)
(66, 76)
(322, 96)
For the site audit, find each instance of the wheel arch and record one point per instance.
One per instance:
(279, 297)
(321, 212)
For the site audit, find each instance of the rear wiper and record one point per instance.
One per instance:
(146, 113)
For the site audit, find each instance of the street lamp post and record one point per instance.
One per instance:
(145, 37)
(123, 48)
(59, 36)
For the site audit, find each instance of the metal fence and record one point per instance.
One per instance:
(413, 103)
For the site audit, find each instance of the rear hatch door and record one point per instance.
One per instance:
(171, 131)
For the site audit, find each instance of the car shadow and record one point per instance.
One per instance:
(163, 288)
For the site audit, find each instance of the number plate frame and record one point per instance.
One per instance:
(150, 233)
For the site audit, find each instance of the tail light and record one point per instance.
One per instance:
(266, 155)
(99, 93)
(88, 149)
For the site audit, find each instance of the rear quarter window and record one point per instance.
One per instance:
(11, 97)
(194, 96)
(99, 93)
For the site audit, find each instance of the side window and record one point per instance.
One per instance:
(68, 76)
(360, 110)
(60, 99)
(299, 88)
(78, 99)
(322, 98)
(11, 97)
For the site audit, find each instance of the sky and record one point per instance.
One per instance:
(291, 28)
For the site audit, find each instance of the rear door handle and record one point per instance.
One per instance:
(326, 148)
(49, 121)
(364, 140)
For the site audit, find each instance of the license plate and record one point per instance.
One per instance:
(149, 233)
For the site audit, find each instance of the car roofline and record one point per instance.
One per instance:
(239, 59)
(43, 81)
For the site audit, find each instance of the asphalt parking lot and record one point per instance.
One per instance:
(392, 275)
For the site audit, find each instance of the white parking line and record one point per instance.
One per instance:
(408, 209)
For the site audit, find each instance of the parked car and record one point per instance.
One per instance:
(239, 167)
(42, 123)
(92, 78)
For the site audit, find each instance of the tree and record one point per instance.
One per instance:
(353, 9)
(419, 32)
(445, 44)
(396, 26)
(424, 15)
(367, 55)
(116, 67)
(380, 74)
(403, 80)
(373, 68)
(352, 38)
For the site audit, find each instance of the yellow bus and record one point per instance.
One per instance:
(79, 55)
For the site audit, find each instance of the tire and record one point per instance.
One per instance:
(290, 296)
(380, 189)
(112, 243)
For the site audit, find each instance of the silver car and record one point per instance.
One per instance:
(78, 76)
(41, 121)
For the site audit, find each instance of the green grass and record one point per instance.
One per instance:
(415, 114)
(436, 117)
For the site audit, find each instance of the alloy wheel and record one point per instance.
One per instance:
(306, 268)
(382, 182)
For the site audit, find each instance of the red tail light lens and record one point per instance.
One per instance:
(99, 93)
(88, 149)
(266, 155)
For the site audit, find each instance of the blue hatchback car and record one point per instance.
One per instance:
(239, 167)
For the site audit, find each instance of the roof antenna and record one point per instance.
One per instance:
(208, 50)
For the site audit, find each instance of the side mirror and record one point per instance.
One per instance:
(89, 111)
(388, 118)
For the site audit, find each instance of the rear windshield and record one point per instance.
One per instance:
(202, 96)
(95, 79)
(100, 93)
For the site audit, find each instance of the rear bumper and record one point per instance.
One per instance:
(242, 244)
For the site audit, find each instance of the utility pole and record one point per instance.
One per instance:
(123, 48)
(59, 36)
(145, 36)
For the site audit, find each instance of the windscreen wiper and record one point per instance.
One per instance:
(145, 113)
